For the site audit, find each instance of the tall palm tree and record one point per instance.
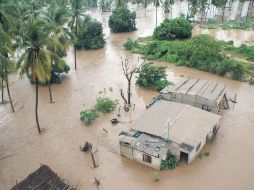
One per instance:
(156, 4)
(77, 10)
(167, 6)
(8, 21)
(7, 66)
(60, 36)
(35, 61)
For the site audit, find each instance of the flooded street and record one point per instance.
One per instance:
(230, 165)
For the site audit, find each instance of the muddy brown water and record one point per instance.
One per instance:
(230, 165)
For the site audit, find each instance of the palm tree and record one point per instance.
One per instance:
(77, 10)
(35, 61)
(167, 6)
(156, 4)
(7, 66)
(60, 36)
(8, 21)
(203, 6)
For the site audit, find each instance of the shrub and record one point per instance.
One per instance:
(155, 176)
(90, 35)
(129, 44)
(122, 20)
(88, 116)
(178, 28)
(152, 76)
(105, 104)
(170, 163)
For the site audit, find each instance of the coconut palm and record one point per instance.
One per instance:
(60, 36)
(8, 21)
(156, 4)
(77, 10)
(7, 66)
(35, 61)
(167, 6)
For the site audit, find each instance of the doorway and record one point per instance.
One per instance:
(184, 157)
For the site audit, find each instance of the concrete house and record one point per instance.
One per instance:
(204, 94)
(167, 127)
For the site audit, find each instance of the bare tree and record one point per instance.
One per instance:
(128, 70)
(88, 147)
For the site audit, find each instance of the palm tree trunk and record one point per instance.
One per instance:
(50, 93)
(2, 84)
(156, 13)
(241, 11)
(8, 91)
(75, 51)
(36, 106)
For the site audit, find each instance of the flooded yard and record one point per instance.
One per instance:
(230, 165)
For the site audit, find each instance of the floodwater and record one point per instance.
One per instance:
(230, 165)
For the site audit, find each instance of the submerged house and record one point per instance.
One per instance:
(42, 179)
(204, 94)
(167, 127)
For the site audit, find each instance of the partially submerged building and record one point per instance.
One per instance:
(42, 179)
(204, 94)
(167, 127)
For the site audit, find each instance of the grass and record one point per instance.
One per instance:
(245, 23)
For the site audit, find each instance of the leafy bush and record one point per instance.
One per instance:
(201, 52)
(155, 176)
(90, 35)
(152, 76)
(178, 28)
(105, 104)
(88, 116)
(122, 20)
(170, 163)
(129, 44)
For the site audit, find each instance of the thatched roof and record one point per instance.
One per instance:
(42, 179)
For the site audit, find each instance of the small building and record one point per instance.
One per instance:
(165, 127)
(42, 179)
(204, 94)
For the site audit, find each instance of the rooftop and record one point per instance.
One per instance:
(42, 179)
(181, 123)
(208, 89)
(151, 145)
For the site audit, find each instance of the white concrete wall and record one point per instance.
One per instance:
(138, 156)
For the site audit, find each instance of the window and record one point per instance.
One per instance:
(147, 158)
(197, 148)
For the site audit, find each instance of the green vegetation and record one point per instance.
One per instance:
(153, 76)
(105, 104)
(90, 35)
(155, 176)
(170, 163)
(122, 20)
(178, 28)
(88, 116)
(201, 52)
(246, 23)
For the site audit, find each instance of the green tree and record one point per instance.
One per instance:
(167, 6)
(90, 35)
(60, 39)
(156, 3)
(8, 21)
(152, 76)
(178, 28)
(122, 20)
(77, 10)
(35, 61)
(220, 4)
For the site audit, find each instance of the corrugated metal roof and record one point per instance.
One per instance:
(208, 89)
(187, 124)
